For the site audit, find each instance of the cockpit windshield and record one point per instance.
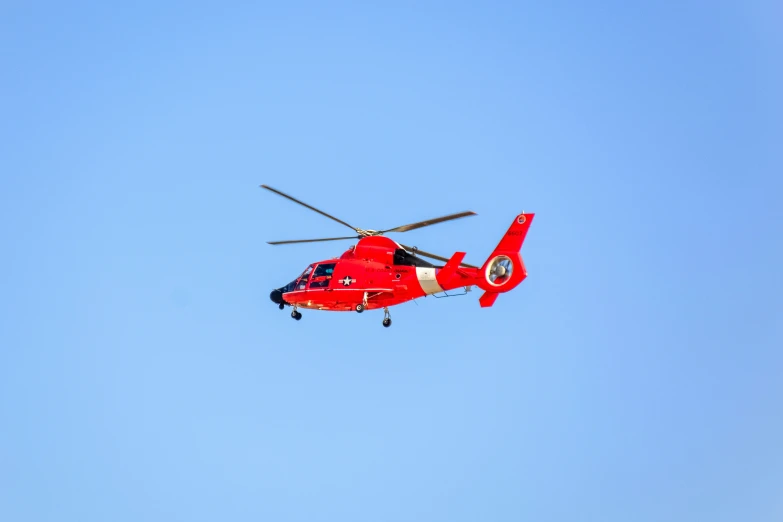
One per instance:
(300, 283)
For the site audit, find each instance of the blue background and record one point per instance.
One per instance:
(636, 374)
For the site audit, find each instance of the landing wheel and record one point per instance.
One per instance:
(360, 308)
(296, 315)
(387, 322)
(386, 317)
(281, 306)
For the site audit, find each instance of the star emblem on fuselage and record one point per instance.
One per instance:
(347, 281)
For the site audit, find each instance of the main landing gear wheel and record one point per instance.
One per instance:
(386, 317)
(359, 308)
(296, 315)
(387, 322)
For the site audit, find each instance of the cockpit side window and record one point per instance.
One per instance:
(324, 269)
(322, 275)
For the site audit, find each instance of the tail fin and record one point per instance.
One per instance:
(515, 236)
(504, 269)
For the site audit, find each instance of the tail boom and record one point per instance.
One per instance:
(501, 272)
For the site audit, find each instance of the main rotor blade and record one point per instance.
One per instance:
(429, 222)
(416, 251)
(309, 206)
(311, 240)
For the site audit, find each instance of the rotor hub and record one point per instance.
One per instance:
(367, 233)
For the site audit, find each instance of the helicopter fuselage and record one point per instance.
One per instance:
(367, 275)
(378, 272)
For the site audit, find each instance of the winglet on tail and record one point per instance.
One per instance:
(487, 299)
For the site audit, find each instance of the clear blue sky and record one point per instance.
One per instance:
(637, 374)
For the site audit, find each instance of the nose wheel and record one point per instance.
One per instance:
(386, 317)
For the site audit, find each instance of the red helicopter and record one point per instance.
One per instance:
(378, 272)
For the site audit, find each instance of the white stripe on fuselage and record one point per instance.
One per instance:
(427, 280)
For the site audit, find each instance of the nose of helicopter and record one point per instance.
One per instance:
(276, 296)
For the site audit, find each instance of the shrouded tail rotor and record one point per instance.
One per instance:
(500, 270)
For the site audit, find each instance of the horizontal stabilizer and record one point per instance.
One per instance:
(448, 271)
